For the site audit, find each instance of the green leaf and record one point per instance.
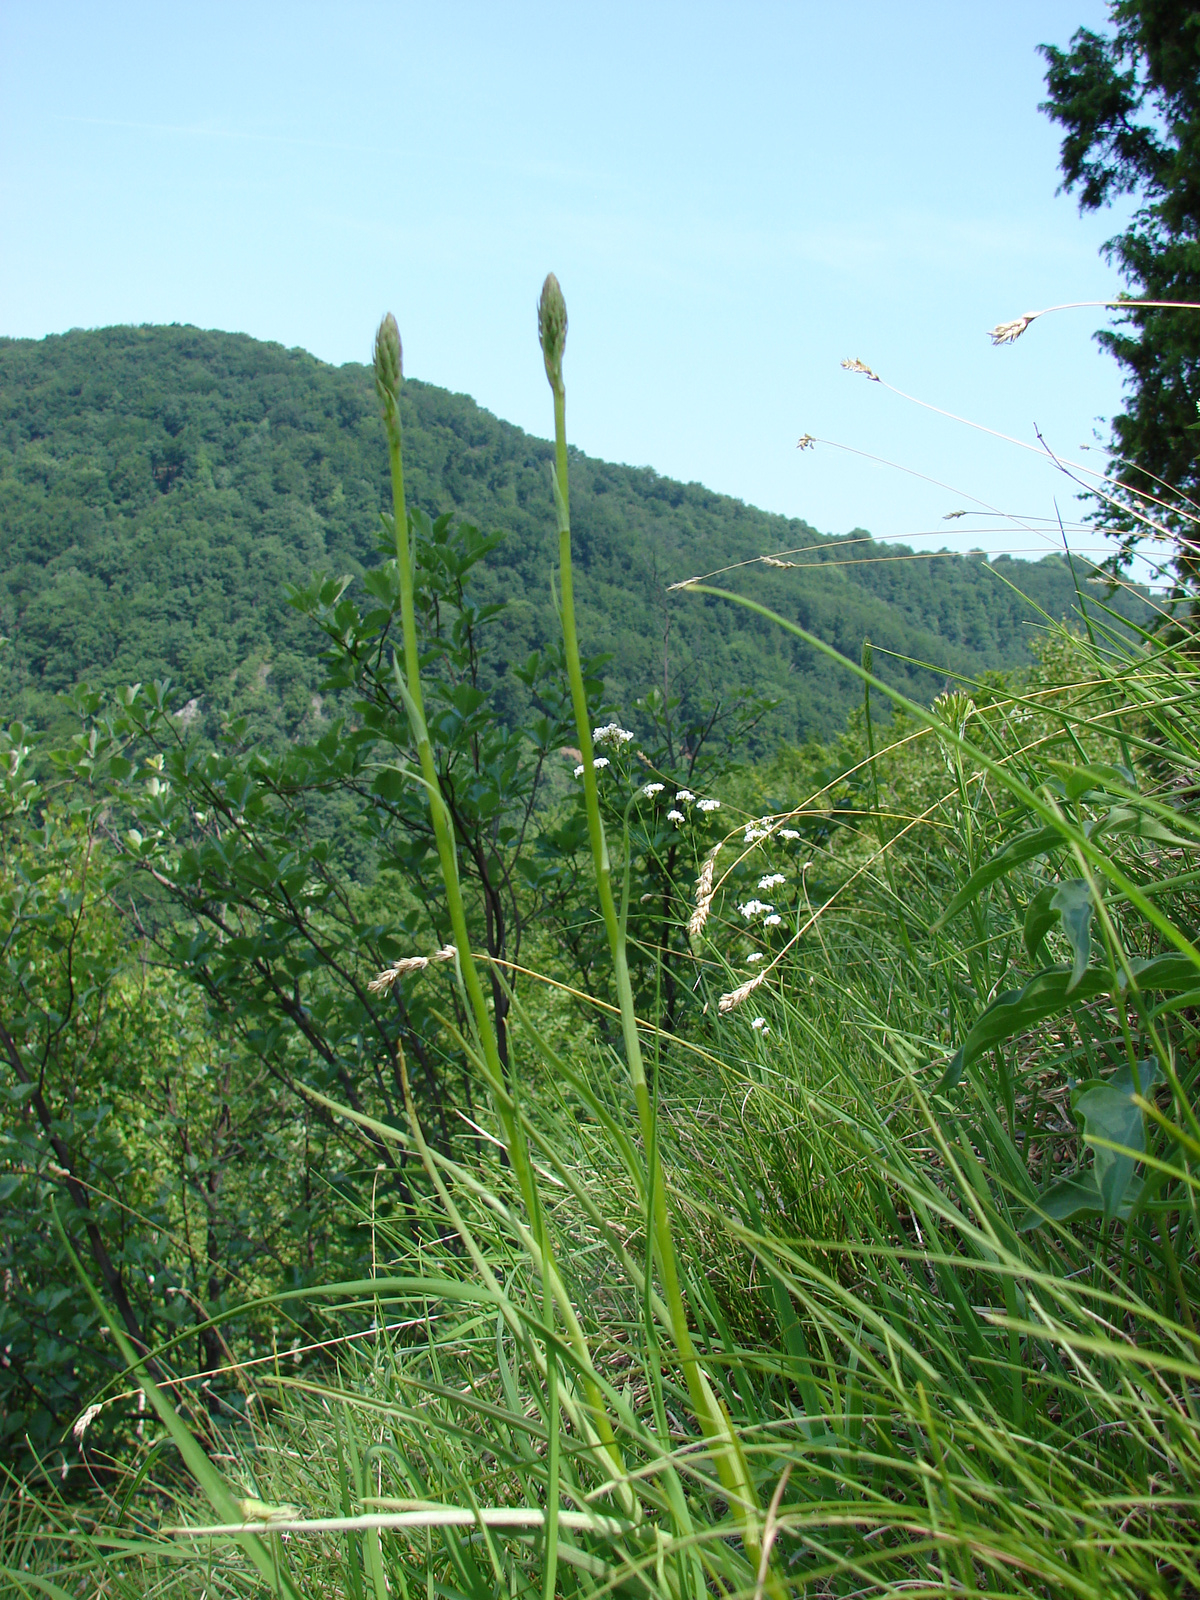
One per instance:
(1039, 919)
(1110, 1115)
(1072, 1198)
(1073, 902)
(1140, 823)
(1023, 848)
(1064, 1202)
(1054, 990)
(1080, 780)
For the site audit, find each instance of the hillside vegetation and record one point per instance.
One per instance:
(160, 487)
(429, 1165)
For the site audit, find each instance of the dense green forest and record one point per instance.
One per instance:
(160, 486)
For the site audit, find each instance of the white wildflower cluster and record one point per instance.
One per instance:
(597, 761)
(756, 908)
(684, 796)
(675, 816)
(651, 789)
(773, 921)
(788, 833)
(772, 880)
(755, 955)
(760, 1025)
(612, 734)
(708, 805)
(759, 830)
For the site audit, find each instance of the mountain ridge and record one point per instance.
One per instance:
(161, 486)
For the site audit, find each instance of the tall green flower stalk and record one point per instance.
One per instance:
(388, 378)
(710, 1412)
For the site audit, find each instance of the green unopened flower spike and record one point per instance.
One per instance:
(552, 330)
(389, 361)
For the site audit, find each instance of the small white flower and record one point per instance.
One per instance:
(759, 1024)
(772, 880)
(578, 773)
(755, 908)
(684, 796)
(675, 816)
(788, 833)
(612, 734)
(773, 920)
(754, 956)
(759, 830)
(708, 805)
(652, 789)
(599, 761)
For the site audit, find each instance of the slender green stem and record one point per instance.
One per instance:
(710, 1412)
(489, 1050)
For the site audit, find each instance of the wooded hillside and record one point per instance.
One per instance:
(158, 485)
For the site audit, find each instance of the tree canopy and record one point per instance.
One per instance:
(1129, 102)
(160, 487)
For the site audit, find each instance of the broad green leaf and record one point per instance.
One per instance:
(1051, 991)
(1039, 919)
(1132, 820)
(1072, 1198)
(1109, 1114)
(1023, 848)
(1073, 902)
(1064, 1202)
(1078, 781)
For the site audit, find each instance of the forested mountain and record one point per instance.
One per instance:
(160, 487)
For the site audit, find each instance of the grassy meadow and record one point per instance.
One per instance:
(807, 1205)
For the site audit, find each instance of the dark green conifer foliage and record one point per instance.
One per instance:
(1129, 103)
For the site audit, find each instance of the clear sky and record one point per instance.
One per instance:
(734, 198)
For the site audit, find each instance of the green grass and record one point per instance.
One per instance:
(893, 1293)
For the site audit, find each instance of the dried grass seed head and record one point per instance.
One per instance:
(407, 964)
(1007, 332)
(730, 1001)
(704, 892)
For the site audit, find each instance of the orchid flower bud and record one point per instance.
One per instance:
(552, 329)
(389, 361)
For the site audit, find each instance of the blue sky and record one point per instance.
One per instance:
(734, 198)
